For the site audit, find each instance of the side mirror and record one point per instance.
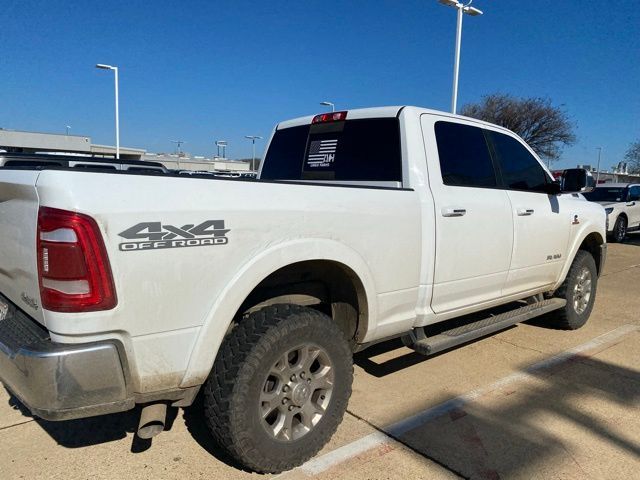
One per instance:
(577, 180)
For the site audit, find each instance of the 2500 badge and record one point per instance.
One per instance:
(158, 235)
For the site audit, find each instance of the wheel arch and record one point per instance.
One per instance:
(591, 244)
(329, 286)
(589, 241)
(321, 270)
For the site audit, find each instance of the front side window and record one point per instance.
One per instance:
(464, 156)
(520, 170)
(634, 194)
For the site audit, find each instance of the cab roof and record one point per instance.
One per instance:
(381, 112)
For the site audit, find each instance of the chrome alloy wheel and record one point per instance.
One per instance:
(582, 291)
(296, 392)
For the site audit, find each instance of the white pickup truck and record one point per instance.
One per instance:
(121, 288)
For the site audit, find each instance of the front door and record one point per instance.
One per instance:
(474, 225)
(542, 222)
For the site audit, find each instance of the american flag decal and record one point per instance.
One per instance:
(322, 153)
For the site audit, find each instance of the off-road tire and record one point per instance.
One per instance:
(619, 230)
(567, 318)
(234, 386)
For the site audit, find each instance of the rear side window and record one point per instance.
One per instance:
(352, 150)
(464, 156)
(520, 170)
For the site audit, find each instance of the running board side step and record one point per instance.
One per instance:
(480, 328)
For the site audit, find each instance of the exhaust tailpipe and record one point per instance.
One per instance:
(152, 420)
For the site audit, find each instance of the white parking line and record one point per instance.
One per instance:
(339, 455)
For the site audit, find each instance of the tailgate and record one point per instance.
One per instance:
(18, 224)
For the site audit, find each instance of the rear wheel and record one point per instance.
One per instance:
(579, 290)
(619, 230)
(279, 387)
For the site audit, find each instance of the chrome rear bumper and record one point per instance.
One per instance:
(60, 381)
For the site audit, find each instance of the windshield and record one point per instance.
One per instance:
(604, 194)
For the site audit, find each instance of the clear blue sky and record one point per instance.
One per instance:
(201, 70)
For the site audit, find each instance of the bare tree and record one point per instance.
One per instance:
(633, 157)
(544, 127)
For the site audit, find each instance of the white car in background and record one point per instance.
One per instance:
(621, 201)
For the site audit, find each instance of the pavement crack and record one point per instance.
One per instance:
(16, 424)
(410, 447)
(518, 345)
(566, 449)
(631, 267)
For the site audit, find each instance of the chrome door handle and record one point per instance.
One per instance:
(524, 212)
(453, 212)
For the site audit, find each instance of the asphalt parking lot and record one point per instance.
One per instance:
(530, 402)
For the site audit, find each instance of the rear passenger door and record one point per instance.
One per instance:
(474, 224)
(542, 222)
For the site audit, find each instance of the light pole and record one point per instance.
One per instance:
(178, 144)
(598, 167)
(68, 127)
(223, 144)
(253, 139)
(115, 71)
(462, 9)
(329, 104)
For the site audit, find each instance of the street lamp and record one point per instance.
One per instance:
(223, 144)
(598, 167)
(178, 144)
(115, 71)
(329, 104)
(68, 127)
(253, 139)
(469, 10)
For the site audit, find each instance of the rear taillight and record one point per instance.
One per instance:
(73, 267)
(330, 117)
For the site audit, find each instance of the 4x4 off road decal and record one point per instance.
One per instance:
(157, 235)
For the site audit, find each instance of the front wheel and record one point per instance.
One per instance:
(579, 290)
(279, 387)
(619, 230)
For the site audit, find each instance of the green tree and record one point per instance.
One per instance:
(545, 127)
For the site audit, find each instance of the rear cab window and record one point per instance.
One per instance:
(359, 150)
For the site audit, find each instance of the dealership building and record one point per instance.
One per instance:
(15, 141)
